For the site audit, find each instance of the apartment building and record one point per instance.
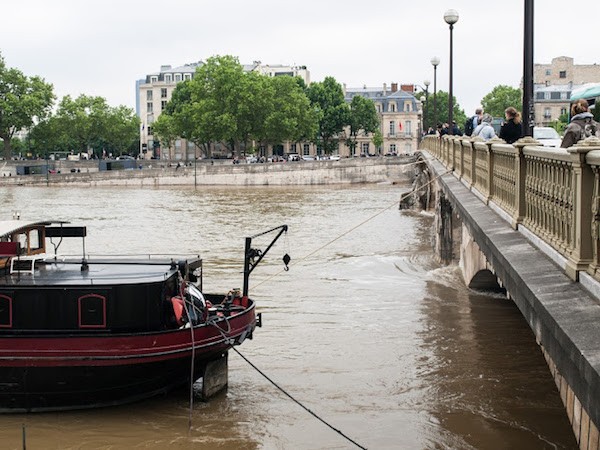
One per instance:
(553, 84)
(155, 90)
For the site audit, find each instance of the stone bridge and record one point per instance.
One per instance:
(526, 219)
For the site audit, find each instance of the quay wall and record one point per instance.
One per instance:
(346, 171)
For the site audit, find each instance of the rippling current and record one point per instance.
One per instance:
(366, 329)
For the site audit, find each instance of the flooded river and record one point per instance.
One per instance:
(368, 332)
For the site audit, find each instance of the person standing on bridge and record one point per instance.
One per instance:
(485, 128)
(512, 129)
(582, 124)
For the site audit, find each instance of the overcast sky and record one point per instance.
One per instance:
(102, 47)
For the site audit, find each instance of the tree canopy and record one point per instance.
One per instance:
(87, 123)
(23, 100)
(333, 113)
(441, 100)
(363, 117)
(222, 103)
(500, 98)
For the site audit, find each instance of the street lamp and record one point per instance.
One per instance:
(423, 100)
(528, 115)
(435, 61)
(451, 17)
(426, 83)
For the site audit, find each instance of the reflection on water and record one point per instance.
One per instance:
(369, 332)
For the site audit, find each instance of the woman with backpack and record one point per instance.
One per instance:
(512, 129)
(582, 124)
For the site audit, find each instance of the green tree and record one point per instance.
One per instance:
(500, 98)
(377, 138)
(23, 100)
(327, 99)
(87, 123)
(441, 100)
(222, 103)
(362, 117)
(289, 115)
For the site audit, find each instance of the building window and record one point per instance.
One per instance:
(408, 128)
(548, 72)
(163, 105)
(148, 95)
(407, 107)
(378, 107)
(547, 114)
(168, 78)
(563, 111)
(306, 149)
(365, 148)
(392, 148)
(392, 107)
(562, 74)
(292, 148)
(177, 77)
(149, 131)
(555, 95)
(392, 128)
(149, 107)
(187, 76)
(153, 79)
(163, 93)
(539, 96)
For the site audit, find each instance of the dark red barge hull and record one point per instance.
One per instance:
(53, 372)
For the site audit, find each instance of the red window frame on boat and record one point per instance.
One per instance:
(80, 304)
(9, 299)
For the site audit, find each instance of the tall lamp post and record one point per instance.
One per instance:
(435, 61)
(422, 131)
(528, 116)
(451, 17)
(426, 83)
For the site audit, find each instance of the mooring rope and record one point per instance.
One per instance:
(402, 197)
(230, 341)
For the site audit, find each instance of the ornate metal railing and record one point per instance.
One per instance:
(554, 193)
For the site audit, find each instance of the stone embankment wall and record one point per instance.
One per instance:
(346, 171)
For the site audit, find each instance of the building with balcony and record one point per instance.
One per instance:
(400, 120)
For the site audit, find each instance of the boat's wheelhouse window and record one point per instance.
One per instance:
(5, 311)
(30, 241)
(92, 311)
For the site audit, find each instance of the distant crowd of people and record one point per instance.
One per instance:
(581, 126)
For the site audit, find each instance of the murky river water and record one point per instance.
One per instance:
(369, 332)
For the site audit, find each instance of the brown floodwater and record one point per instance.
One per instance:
(369, 332)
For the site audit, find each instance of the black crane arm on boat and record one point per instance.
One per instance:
(250, 254)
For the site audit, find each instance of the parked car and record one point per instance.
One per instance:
(293, 157)
(547, 136)
(334, 157)
(308, 158)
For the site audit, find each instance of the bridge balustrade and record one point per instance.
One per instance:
(554, 193)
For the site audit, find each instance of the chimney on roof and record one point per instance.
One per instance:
(408, 88)
(384, 89)
(394, 87)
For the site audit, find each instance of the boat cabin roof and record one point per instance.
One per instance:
(105, 272)
(9, 227)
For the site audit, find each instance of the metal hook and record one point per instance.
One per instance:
(286, 261)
